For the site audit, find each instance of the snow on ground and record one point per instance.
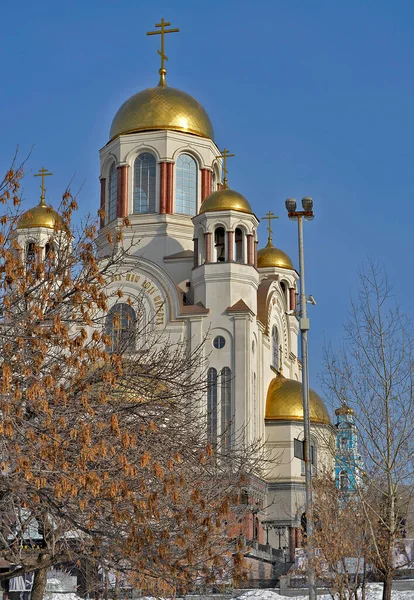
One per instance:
(61, 596)
(373, 592)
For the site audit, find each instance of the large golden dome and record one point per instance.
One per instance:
(269, 256)
(284, 402)
(162, 107)
(40, 216)
(225, 199)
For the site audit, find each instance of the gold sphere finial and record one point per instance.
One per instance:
(162, 81)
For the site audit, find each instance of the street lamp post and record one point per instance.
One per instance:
(306, 213)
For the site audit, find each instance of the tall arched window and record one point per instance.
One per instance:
(238, 240)
(343, 481)
(120, 327)
(145, 169)
(226, 408)
(219, 244)
(112, 193)
(30, 253)
(186, 185)
(275, 348)
(212, 406)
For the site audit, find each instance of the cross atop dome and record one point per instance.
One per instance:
(42, 173)
(162, 32)
(225, 154)
(269, 216)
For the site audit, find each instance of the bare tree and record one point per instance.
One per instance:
(104, 451)
(373, 374)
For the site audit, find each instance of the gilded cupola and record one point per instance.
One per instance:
(41, 215)
(284, 402)
(225, 199)
(162, 107)
(269, 256)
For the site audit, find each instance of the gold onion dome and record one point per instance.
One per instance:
(344, 410)
(160, 108)
(225, 199)
(40, 216)
(284, 402)
(269, 256)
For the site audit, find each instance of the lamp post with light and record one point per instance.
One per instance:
(293, 214)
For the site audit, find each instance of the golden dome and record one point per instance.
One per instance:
(162, 107)
(225, 199)
(284, 402)
(269, 256)
(40, 216)
(344, 410)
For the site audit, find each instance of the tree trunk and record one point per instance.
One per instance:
(39, 584)
(386, 594)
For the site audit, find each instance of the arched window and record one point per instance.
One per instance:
(238, 240)
(212, 406)
(120, 327)
(30, 253)
(219, 244)
(145, 168)
(226, 408)
(50, 253)
(112, 193)
(343, 481)
(186, 185)
(275, 348)
(343, 444)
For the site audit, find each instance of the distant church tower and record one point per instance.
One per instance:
(348, 461)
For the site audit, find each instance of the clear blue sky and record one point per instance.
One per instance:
(315, 97)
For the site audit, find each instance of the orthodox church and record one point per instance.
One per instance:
(198, 273)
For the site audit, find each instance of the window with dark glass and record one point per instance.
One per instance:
(112, 193)
(212, 406)
(145, 169)
(238, 239)
(219, 342)
(121, 328)
(275, 348)
(30, 252)
(226, 408)
(219, 244)
(186, 185)
(343, 481)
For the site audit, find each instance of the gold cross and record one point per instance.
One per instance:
(269, 216)
(162, 33)
(225, 154)
(42, 173)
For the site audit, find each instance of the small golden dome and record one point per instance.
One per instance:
(269, 256)
(284, 402)
(344, 410)
(162, 107)
(225, 199)
(40, 216)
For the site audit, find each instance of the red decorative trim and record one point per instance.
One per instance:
(122, 193)
(207, 245)
(103, 199)
(170, 187)
(292, 298)
(163, 188)
(230, 246)
(206, 183)
(195, 252)
(250, 260)
(255, 253)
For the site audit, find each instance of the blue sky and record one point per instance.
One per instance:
(314, 97)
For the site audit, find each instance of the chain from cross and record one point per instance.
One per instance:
(162, 33)
(42, 173)
(225, 154)
(269, 216)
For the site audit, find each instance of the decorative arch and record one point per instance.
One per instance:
(106, 165)
(144, 183)
(275, 348)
